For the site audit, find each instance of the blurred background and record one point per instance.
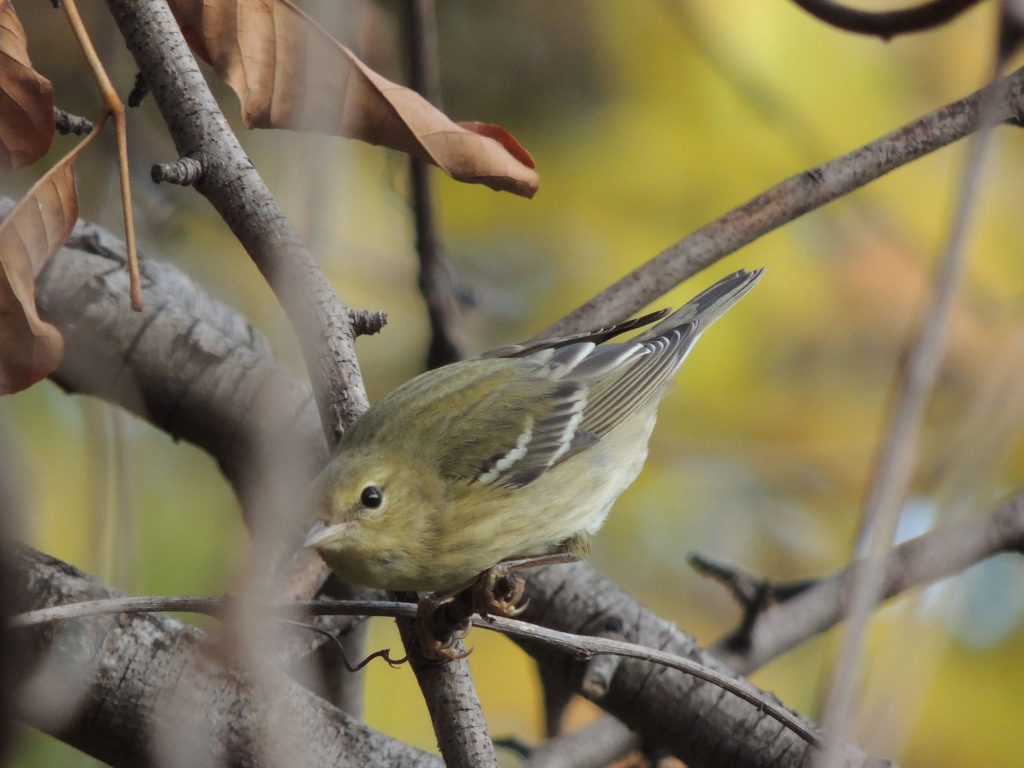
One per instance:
(647, 120)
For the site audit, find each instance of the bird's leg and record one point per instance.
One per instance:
(499, 590)
(436, 633)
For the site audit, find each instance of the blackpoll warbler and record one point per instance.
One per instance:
(510, 459)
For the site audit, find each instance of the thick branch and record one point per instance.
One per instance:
(698, 723)
(130, 687)
(187, 363)
(787, 201)
(233, 186)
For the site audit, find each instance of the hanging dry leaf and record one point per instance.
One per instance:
(26, 98)
(289, 73)
(31, 348)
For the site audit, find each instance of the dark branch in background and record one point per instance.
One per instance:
(886, 24)
(145, 680)
(787, 201)
(436, 280)
(448, 690)
(231, 183)
(942, 552)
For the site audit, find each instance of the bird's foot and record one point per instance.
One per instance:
(439, 638)
(498, 591)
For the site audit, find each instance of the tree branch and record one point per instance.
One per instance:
(787, 201)
(886, 24)
(697, 723)
(234, 187)
(579, 646)
(942, 552)
(187, 363)
(436, 281)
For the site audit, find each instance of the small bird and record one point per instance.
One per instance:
(509, 460)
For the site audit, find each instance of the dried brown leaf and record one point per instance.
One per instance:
(289, 73)
(26, 98)
(31, 348)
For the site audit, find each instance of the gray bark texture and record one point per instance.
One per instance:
(146, 689)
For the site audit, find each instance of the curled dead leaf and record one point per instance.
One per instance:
(31, 348)
(289, 73)
(26, 98)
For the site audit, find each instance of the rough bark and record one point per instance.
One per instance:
(146, 689)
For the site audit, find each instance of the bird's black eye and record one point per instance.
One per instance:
(371, 497)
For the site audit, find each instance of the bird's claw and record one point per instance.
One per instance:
(437, 639)
(499, 592)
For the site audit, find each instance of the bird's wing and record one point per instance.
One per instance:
(556, 403)
(596, 336)
(521, 428)
(546, 402)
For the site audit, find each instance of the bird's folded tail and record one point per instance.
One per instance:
(708, 305)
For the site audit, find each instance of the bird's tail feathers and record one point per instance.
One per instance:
(708, 305)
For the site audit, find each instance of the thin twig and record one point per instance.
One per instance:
(898, 451)
(116, 109)
(886, 24)
(787, 201)
(580, 646)
(436, 281)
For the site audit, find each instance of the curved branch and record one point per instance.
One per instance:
(886, 24)
(787, 201)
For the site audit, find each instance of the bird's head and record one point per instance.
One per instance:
(370, 505)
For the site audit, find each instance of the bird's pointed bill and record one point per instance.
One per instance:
(320, 532)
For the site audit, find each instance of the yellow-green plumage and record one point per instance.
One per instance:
(506, 456)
